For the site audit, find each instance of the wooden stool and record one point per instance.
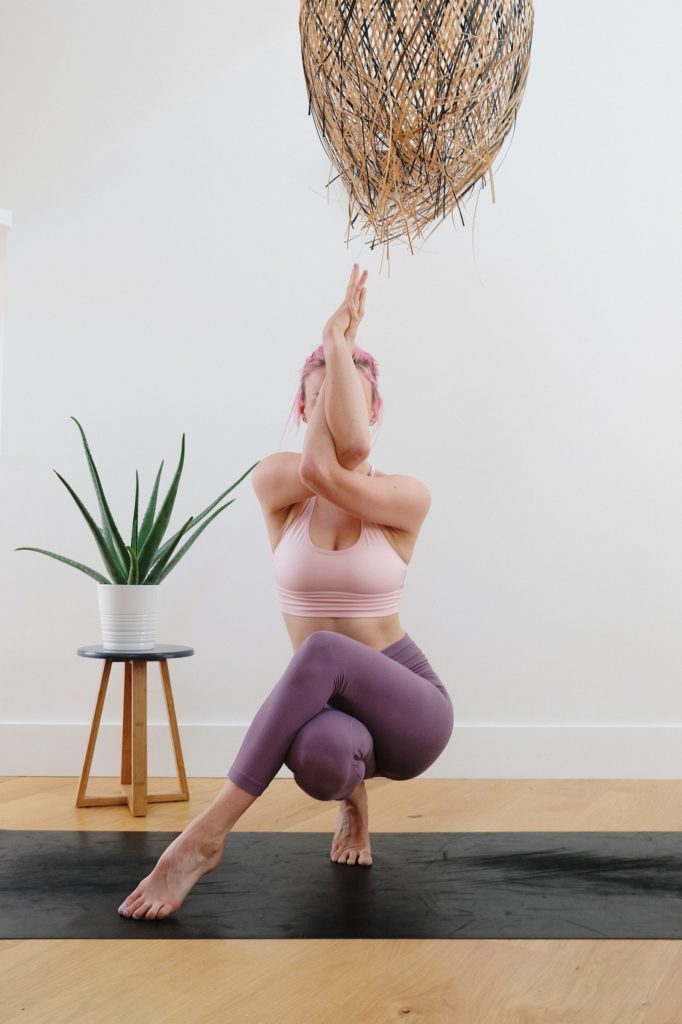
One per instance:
(134, 735)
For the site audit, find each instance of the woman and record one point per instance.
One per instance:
(358, 698)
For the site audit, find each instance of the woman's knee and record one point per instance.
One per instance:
(317, 642)
(322, 772)
(327, 781)
(312, 659)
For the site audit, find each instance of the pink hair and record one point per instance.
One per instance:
(364, 360)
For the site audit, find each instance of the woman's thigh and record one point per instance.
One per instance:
(408, 714)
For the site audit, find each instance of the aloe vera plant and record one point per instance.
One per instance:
(145, 559)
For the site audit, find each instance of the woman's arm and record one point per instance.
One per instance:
(345, 405)
(319, 451)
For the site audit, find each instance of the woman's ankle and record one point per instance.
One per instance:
(358, 794)
(209, 833)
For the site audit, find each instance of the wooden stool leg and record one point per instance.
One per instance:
(137, 791)
(173, 723)
(81, 799)
(126, 738)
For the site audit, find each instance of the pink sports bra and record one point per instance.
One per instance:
(360, 581)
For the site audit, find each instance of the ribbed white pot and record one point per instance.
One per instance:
(128, 613)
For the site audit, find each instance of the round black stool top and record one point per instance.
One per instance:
(159, 652)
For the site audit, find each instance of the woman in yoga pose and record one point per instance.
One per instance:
(358, 698)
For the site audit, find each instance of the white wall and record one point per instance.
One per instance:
(5, 225)
(173, 257)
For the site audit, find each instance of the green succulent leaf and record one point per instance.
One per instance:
(185, 547)
(77, 565)
(133, 575)
(154, 573)
(117, 572)
(133, 538)
(108, 525)
(148, 552)
(198, 518)
(148, 520)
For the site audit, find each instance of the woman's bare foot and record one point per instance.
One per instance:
(350, 844)
(191, 854)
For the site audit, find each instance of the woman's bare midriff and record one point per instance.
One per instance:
(375, 632)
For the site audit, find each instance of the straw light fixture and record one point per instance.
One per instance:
(412, 100)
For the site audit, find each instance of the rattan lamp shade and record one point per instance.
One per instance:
(412, 100)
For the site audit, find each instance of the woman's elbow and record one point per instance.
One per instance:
(307, 471)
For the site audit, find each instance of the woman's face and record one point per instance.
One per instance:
(313, 383)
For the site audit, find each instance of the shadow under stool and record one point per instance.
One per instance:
(134, 730)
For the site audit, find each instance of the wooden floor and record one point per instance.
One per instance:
(306, 981)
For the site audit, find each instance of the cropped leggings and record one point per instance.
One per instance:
(343, 712)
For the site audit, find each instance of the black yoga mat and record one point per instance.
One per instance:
(282, 885)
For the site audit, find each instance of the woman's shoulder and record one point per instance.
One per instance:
(277, 483)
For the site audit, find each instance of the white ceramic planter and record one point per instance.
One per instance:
(128, 613)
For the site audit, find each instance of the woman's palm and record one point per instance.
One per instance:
(355, 296)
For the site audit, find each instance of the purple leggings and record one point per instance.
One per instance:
(343, 712)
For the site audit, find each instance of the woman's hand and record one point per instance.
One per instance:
(358, 293)
(346, 319)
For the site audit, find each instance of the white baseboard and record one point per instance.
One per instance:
(474, 751)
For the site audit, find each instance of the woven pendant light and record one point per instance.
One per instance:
(412, 100)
